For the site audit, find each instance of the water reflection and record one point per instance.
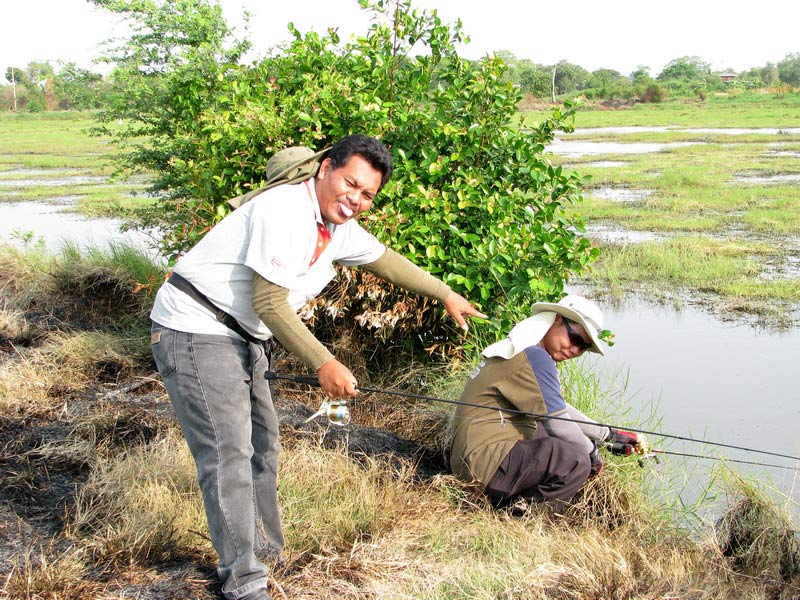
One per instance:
(620, 194)
(576, 149)
(604, 233)
(783, 178)
(720, 381)
(51, 223)
(55, 182)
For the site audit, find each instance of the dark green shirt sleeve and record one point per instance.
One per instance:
(271, 304)
(400, 271)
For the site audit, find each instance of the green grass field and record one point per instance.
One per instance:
(746, 109)
(725, 207)
(53, 155)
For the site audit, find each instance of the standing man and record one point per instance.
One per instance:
(515, 456)
(228, 296)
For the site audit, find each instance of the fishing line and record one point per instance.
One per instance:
(431, 411)
(315, 382)
(725, 459)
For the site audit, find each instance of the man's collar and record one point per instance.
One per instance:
(315, 202)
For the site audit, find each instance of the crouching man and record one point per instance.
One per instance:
(515, 456)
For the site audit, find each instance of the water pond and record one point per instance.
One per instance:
(721, 381)
(53, 224)
(619, 194)
(789, 153)
(53, 182)
(767, 179)
(578, 148)
(612, 234)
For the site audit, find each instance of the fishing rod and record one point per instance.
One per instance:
(338, 407)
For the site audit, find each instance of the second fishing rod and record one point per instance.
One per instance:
(337, 408)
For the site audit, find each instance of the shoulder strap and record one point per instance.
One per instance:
(188, 288)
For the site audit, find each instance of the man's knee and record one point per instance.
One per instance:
(573, 465)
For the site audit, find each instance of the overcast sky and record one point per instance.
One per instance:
(616, 34)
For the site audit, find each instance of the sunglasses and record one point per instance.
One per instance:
(574, 338)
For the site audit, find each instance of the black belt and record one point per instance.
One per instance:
(187, 287)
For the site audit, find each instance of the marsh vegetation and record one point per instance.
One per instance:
(101, 498)
(53, 158)
(718, 212)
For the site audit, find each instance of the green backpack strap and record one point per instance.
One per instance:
(287, 166)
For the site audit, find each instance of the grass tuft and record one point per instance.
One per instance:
(36, 380)
(143, 507)
(329, 501)
(37, 577)
(757, 537)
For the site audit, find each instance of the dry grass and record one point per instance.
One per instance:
(14, 327)
(143, 507)
(36, 380)
(471, 551)
(122, 491)
(357, 528)
(21, 274)
(63, 577)
(348, 502)
(437, 540)
(92, 288)
(757, 537)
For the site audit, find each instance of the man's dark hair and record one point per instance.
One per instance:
(368, 148)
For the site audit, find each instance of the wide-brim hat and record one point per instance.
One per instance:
(291, 164)
(285, 167)
(579, 310)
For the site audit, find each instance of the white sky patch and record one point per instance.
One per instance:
(620, 35)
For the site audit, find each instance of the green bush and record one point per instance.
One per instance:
(473, 199)
(653, 92)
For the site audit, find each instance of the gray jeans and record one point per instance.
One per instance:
(223, 403)
(542, 468)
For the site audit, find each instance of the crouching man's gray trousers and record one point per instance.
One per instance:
(541, 469)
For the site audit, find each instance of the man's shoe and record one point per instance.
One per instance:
(257, 595)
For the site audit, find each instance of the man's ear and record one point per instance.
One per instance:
(558, 320)
(324, 169)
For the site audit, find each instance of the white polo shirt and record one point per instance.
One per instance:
(274, 234)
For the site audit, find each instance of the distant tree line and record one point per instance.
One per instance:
(40, 87)
(685, 76)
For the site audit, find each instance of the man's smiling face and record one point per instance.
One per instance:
(348, 191)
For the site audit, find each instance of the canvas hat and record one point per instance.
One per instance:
(287, 166)
(292, 165)
(580, 310)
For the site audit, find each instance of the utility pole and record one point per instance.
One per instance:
(553, 84)
(14, 87)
